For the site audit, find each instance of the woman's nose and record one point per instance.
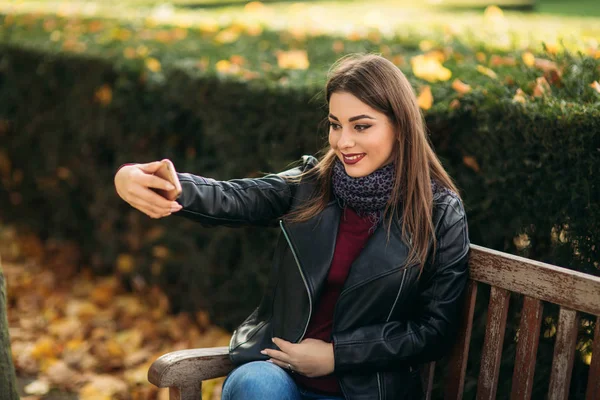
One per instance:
(346, 141)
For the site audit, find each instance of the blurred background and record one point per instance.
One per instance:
(227, 89)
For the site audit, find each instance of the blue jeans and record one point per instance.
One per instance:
(261, 380)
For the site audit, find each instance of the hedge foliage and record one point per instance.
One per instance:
(519, 131)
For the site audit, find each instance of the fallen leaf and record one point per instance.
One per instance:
(471, 162)
(541, 88)
(429, 68)
(103, 95)
(497, 60)
(102, 387)
(425, 99)
(338, 46)
(60, 375)
(153, 64)
(454, 104)
(545, 65)
(520, 97)
(293, 59)
(460, 86)
(596, 86)
(528, 59)
(521, 241)
(39, 387)
(486, 71)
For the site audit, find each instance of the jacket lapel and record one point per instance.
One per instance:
(315, 243)
(378, 257)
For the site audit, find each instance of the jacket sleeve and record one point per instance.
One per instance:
(237, 202)
(430, 333)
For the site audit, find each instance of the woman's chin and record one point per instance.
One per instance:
(354, 172)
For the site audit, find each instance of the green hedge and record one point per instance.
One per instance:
(68, 120)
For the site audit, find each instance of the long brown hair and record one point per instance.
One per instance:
(378, 83)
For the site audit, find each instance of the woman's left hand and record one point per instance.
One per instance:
(310, 357)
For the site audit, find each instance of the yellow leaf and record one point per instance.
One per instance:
(521, 241)
(425, 99)
(45, 347)
(426, 45)
(528, 59)
(125, 263)
(254, 6)
(460, 86)
(104, 95)
(519, 97)
(438, 55)
(429, 69)
(254, 29)
(153, 64)
(481, 57)
(486, 71)
(293, 59)
(596, 86)
(226, 67)
(493, 12)
(587, 358)
(228, 35)
(552, 48)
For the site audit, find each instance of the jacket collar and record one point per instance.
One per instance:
(314, 243)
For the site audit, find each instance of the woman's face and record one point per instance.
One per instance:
(362, 138)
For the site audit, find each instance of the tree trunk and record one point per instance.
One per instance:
(8, 383)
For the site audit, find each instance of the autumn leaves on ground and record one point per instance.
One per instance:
(73, 332)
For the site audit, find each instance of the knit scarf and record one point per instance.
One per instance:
(367, 195)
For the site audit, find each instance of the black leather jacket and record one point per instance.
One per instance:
(386, 322)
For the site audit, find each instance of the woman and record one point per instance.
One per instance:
(371, 262)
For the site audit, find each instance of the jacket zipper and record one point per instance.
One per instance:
(388, 320)
(310, 306)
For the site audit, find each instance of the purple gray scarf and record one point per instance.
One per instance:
(367, 195)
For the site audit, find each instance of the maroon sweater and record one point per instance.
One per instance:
(352, 236)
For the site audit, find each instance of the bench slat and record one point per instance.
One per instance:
(565, 287)
(492, 345)
(564, 354)
(593, 388)
(455, 379)
(428, 373)
(183, 371)
(529, 333)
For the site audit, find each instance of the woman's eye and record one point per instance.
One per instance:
(333, 125)
(362, 127)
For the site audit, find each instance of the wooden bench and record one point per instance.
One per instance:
(183, 371)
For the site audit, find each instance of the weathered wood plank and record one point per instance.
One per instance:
(593, 388)
(492, 345)
(565, 287)
(457, 365)
(564, 354)
(529, 333)
(187, 393)
(183, 371)
(427, 378)
(8, 383)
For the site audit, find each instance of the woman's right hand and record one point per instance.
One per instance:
(133, 183)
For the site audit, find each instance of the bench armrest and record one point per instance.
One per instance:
(183, 371)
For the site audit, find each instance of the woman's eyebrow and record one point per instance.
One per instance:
(353, 118)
